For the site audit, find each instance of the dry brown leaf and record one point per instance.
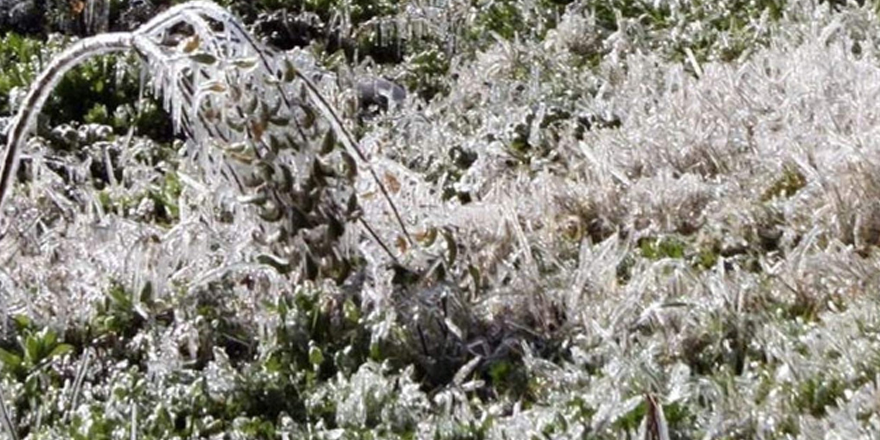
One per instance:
(426, 237)
(392, 183)
(77, 6)
(191, 44)
(258, 128)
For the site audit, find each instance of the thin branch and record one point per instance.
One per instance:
(223, 16)
(351, 146)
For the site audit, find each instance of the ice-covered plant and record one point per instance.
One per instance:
(260, 129)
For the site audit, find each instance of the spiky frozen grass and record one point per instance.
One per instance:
(756, 176)
(696, 233)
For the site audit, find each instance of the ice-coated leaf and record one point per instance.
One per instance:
(191, 44)
(280, 264)
(203, 58)
(245, 63)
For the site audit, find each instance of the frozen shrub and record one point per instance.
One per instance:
(233, 97)
(649, 220)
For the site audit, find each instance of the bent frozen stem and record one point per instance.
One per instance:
(180, 83)
(39, 92)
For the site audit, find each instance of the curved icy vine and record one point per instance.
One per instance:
(42, 87)
(205, 72)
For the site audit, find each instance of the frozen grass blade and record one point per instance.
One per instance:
(6, 417)
(134, 420)
(81, 371)
(654, 425)
(661, 240)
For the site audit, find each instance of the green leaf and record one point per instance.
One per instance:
(203, 58)
(475, 275)
(316, 356)
(119, 297)
(273, 364)
(328, 143)
(451, 246)
(245, 63)
(60, 350)
(147, 290)
(32, 349)
(350, 311)
(375, 352)
(283, 308)
(289, 71)
(22, 322)
(10, 360)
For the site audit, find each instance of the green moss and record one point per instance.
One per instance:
(630, 421)
(164, 195)
(815, 395)
(20, 57)
(96, 91)
(663, 247)
(791, 181)
(166, 198)
(501, 17)
(699, 254)
(427, 73)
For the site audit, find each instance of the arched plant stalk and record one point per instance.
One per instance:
(40, 89)
(209, 82)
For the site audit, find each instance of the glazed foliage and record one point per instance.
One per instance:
(410, 219)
